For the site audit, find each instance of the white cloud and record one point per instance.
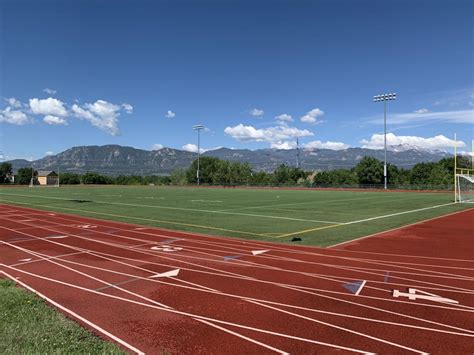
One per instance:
(284, 118)
(54, 120)
(191, 148)
(49, 106)
(286, 145)
(15, 117)
(326, 145)
(255, 112)
(49, 153)
(272, 134)
(101, 114)
(170, 114)
(438, 142)
(156, 146)
(128, 108)
(50, 91)
(422, 110)
(13, 102)
(460, 116)
(312, 116)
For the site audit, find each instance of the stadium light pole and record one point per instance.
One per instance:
(198, 128)
(385, 98)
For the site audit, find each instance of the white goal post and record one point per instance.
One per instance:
(465, 186)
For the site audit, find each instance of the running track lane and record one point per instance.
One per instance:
(224, 299)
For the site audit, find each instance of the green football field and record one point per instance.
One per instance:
(318, 217)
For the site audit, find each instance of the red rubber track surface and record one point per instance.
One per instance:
(224, 299)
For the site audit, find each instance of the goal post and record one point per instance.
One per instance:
(464, 185)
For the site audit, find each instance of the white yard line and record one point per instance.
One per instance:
(185, 209)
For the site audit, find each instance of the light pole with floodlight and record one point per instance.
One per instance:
(198, 128)
(385, 98)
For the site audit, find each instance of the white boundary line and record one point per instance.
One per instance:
(397, 228)
(185, 313)
(294, 288)
(184, 209)
(75, 315)
(163, 255)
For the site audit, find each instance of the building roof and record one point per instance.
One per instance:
(46, 173)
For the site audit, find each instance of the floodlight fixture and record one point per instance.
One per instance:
(385, 98)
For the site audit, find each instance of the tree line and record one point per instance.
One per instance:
(214, 171)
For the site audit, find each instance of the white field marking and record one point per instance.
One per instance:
(360, 287)
(82, 273)
(201, 287)
(341, 278)
(49, 257)
(363, 260)
(171, 273)
(27, 259)
(171, 310)
(173, 259)
(414, 294)
(209, 201)
(400, 213)
(258, 252)
(356, 304)
(243, 337)
(397, 228)
(135, 218)
(75, 315)
(238, 275)
(305, 203)
(341, 328)
(288, 271)
(187, 209)
(167, 248)
(86, 226)
(430, 273)
(100, 254)
(323, 264)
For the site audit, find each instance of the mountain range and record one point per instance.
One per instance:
(116, 159)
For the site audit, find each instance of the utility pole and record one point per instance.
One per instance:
(298, 153)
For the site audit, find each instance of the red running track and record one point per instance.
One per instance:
(154, 290)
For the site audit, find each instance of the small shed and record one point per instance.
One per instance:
(47, 177)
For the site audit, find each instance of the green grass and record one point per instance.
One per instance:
(264, 214)
(32, 327)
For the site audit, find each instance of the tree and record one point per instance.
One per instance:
(178, 177)
(69, 179)
(369, 171)
(94, 178)
(5, 172)
(24, 175)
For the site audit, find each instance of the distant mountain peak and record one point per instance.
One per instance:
(114, 159)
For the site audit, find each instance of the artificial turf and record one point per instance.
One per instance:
(317, 216)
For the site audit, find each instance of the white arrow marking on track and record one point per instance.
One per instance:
(171, 273)
(258, 252)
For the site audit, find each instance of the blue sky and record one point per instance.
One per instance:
(141, 73)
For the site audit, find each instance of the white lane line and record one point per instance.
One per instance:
(175, 273)
(75, 315)
(341, 328)
(80, 272)
(398, 228)
(360, 287)
(243, 337)
(241, 297)
(49, 257)
(239, 275)
(187, 209)
(259, 330)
